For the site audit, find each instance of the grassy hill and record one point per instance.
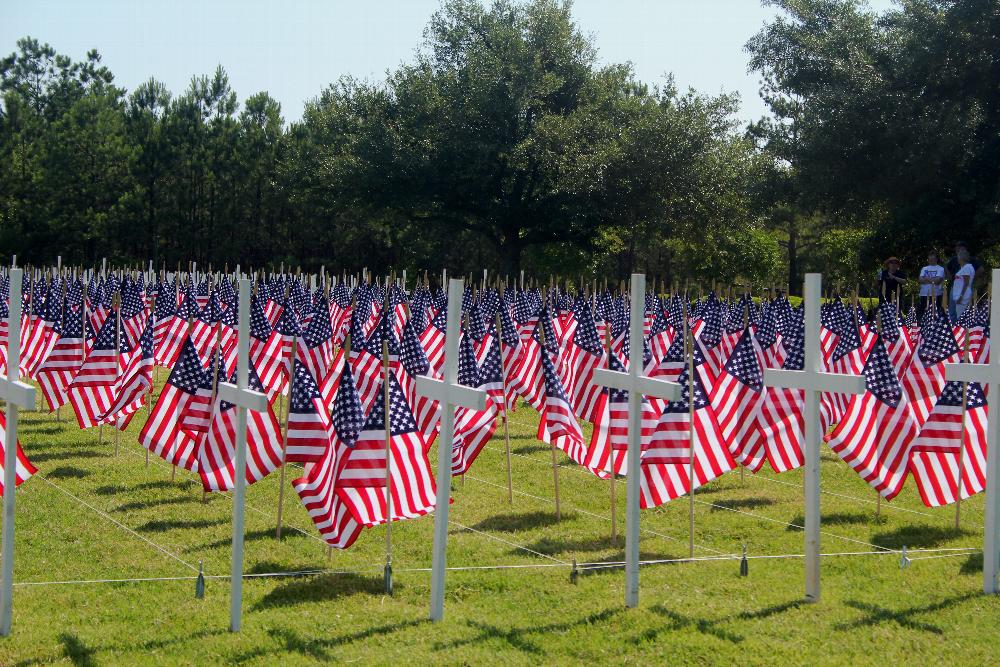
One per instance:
(93, 514)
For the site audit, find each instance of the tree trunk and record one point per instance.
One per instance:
(794, 280)
(510, 250)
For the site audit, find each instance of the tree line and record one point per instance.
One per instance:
(505, 145)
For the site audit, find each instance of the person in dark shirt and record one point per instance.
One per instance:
(890, 280)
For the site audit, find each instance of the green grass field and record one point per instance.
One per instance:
(91, 514)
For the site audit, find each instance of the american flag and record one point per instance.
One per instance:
(168, 328)
(217, 453)
(662, 482)
(309, 430)
(24, 467)
(204, 333)
(42, 332)
(413, 363)
(526, 378)
(473, 428)
(317, 488)
(877, 431)
(363, 478)
(897, 338)
(609, 441)
(558, 425)
(432, 339)
(584, 353)
(736, 398)
(925, 378)
(938, 454)
(58, 369)
(135, 384)
(92, 391)
(265, 348)
(164, 433)
(780, 419)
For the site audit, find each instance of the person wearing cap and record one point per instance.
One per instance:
(890, 280)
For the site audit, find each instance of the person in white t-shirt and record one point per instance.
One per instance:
(931, 281)
(961, 286)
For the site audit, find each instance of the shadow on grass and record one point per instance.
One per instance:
(512, 523)
(715, 627)
(77, 652)
(69, 453)
(322, 588)
(252, 536)
(973, 564)
(115, 489)
(839, 519)
(67, 472)
(919, 536)
(520, 638)
(319, 649)
(875, 614)
(741, 504)
(616, 562)
(525, 450)
(269, 566)
(164, 525)
(156, 502)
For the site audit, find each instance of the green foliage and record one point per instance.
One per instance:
(887, 123)
(502, 139)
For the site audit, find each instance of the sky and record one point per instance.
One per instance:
(295, 48)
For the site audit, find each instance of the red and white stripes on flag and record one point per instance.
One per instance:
(876, 434)
(217, 452)
(24, 467)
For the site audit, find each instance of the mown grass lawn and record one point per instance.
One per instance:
(91, 514)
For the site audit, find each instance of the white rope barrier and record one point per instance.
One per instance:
(583, 566)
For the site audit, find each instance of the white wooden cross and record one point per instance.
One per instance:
(17, 394)
(450, 394)
(244, 399)
(814, 381)
(636, 384)
(988, 375)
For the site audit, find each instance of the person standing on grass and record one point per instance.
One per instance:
(952, 268)
(931, 284)
(961, 284)
(890, 280)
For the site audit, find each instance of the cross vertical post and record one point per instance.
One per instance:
(636, 384)
(450, 394)
(988, 375)
(814, 381)
(18, 395)
(244, 399)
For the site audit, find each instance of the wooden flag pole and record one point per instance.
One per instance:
(503, 406)
(284, 435)
(960, 473)
(388, 461)
(614, 473)
(118, 353)
(555, 460)
(689, 358)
